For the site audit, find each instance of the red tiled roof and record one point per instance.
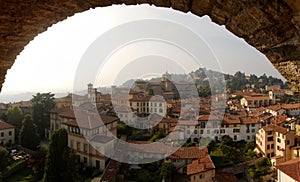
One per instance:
(291, 106)
(230, 119)
(249, 120)
(274, 107)
(257, 98)
(200, 165)
(90, 121)
(169, 120)
(275, 128)
(225, 177)
(4, 125)
(207, 118)
(291, 168)
(111, 171)
(140, 98)
(189, 153)
(278, 120)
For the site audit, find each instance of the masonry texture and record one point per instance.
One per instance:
(271, 26)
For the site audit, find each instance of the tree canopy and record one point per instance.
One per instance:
(167, 170)
(59, 161)
(14, 116)
(29, 137)
(4, 158)
(42, 103)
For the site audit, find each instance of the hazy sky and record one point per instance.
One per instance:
(50, 61)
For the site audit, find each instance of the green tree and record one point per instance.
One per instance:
(41, 105)
(167, 170)
(15, 116)
(260, 168)
(249, 146)
(4, 158)
(150, 91)
(58, 161)
(29, 137)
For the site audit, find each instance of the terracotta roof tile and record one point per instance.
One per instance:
(189, 153)
(291, 168)
(291, 106)
(225, 177)
(4, 125)
(275, 128)
(200, 165)
(207, 118)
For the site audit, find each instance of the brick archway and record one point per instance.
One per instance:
(272, 27)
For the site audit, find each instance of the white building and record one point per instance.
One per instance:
(7, 133)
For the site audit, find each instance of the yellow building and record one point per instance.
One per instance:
(275, 142)
(201, 170)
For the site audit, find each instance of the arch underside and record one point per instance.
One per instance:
(272, 27)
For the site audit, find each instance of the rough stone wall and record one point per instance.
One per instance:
(271, 26)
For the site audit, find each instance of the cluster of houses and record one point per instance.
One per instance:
(91, 121)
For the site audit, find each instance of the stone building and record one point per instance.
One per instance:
(7, 133)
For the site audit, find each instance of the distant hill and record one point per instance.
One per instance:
(202, 78)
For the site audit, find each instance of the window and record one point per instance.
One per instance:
(270, 139)
(195, 132)
(2, 134)
(253, 125)
(234, 137)
(208, 131)
(202, 125)
(9, 133)
(222, 130)
(253, 130)
(201, 176)
(278, 147)
(78, 146)
(160, 110)
(85, 160)
(72, 144)
(248, 137)
(269, 132)
(268, 147)
(215, 125)
(160, 104)
(201, 131)
(278, 140)
(287, 142)
(236, 130)
(235, 125)
(272, 146)
(187, 132)
(85, 147)
(97, 164)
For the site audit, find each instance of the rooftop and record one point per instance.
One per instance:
(200, 165)
(291, 168)
(4, 125)
(189, 153)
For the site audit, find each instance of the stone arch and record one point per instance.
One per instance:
(272, 27)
